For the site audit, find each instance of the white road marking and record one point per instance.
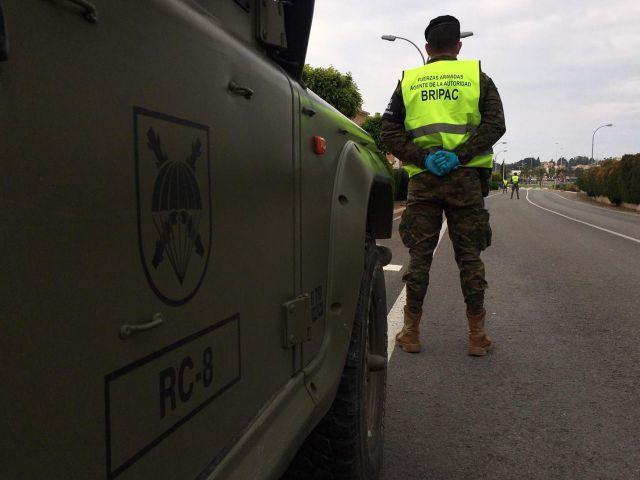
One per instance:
(395, 318)
(392, 268)
(584, 223)
(595, 206)
(395, 321)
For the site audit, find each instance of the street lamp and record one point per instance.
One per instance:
(495, 158)
(594, 136)
(393, 38)
(559, 158)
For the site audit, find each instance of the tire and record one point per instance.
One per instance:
(347, 444)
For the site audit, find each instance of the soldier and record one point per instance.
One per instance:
(515, 185)
(444, 115)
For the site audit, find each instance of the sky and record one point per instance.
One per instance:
(562, 67)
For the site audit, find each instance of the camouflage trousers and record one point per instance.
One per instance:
(459, 196)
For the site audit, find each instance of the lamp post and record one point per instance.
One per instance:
(496, 154)
(560, 157)
(393, 38)
(594, 136)
(495, 157)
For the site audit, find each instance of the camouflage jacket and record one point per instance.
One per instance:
(492, 126)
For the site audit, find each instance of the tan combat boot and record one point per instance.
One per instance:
(409, 337)
(479, 341)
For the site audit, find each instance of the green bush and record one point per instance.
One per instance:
(338, 89)
(373, 126)
(619, 181)
(629, 172)
(611, 174)
(496, 180)
(567, 187)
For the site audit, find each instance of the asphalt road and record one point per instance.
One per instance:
(559, 396)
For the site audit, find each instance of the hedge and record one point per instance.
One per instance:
(496, 181)
(619, 181)
(630, 178)
(567, 187)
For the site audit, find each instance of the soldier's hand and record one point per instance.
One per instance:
(431, 165)
(446, 161)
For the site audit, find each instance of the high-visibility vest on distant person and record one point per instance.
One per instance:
(515, 179)
(441, 102)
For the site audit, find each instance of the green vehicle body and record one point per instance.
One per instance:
(180, 269)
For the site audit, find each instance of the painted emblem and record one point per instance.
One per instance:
(174, 206)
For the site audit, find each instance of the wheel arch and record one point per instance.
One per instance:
(362, 202)
(380, 207)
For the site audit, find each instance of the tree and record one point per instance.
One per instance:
(561, 173)
(579, 160)
(338, 89)
(540, 171)
(373, 126)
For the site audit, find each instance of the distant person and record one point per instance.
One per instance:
(442, 121)
(505, 183)
(515, 185)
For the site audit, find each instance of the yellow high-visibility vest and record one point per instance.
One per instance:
(441, 102)
(515, 179)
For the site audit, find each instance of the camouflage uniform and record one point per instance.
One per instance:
(459, 195)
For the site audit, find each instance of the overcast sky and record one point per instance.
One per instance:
(562, 67)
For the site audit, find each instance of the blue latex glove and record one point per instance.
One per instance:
(431, 166)
(446, 161)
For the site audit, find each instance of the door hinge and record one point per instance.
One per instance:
(297, 321)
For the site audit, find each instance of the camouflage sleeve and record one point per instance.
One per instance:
(492, 126)
(393, 134)
(399, 143)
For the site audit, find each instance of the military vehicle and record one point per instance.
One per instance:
(191, 286)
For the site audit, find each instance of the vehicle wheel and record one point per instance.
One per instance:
(347, 444)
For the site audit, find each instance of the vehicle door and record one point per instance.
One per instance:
(147, 238)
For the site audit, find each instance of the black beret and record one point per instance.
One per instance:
(442, 19)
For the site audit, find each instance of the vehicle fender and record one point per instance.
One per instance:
(362, 201)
